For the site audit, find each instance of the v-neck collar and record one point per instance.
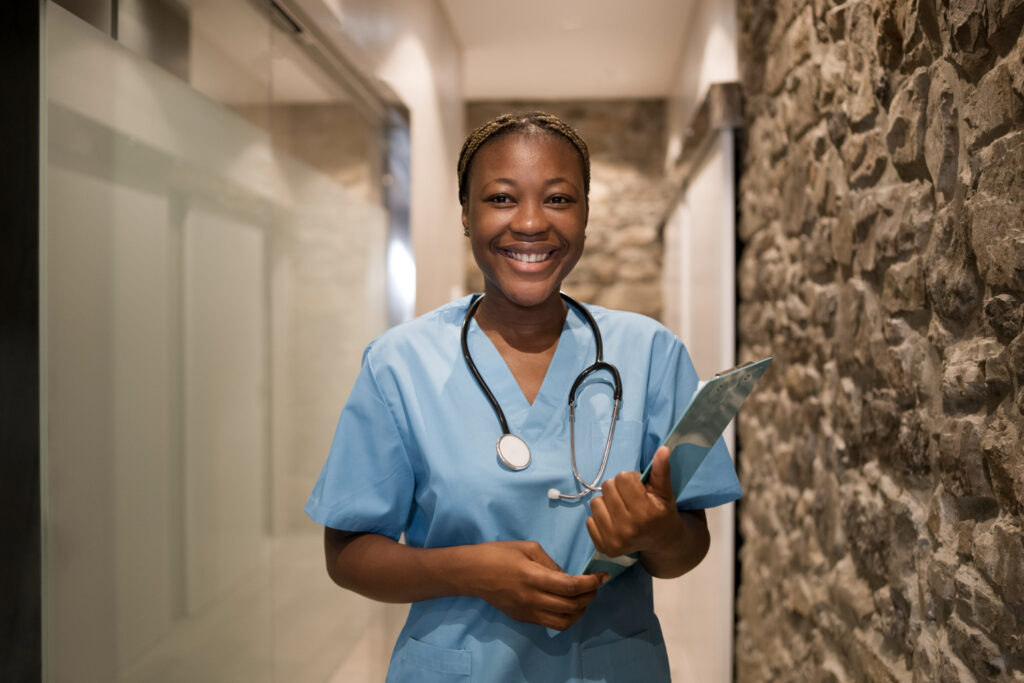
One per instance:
(571, 356)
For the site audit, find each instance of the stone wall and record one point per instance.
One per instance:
(621, 264)
(882, 224)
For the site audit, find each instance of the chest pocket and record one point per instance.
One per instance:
(627, 447)
(416, 662)
(636, 658)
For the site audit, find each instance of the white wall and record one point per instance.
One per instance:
(699, 305)
(412, 47)
(709, 56)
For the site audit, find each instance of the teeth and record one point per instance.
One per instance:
(528, 258)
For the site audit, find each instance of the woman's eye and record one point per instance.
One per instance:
(560, 199)
(500, 199)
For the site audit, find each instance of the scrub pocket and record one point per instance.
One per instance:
(416, 662)
(636, 658)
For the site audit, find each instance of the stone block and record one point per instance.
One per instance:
(869, 659)
(997, 237)
(798, 104)
(867, 532)
(962, 460)
(968, 35)
(915, 449)
(827, 183)
(834, 88)
(1005, 21)
(842, 235)
(921, 41)
(797, 208)
(976, 649)
(1001, 445)
(889, 28)
(1005, 315)
(993, 108)
(634, 236)
(954, 287)
(978, 605)
(862, 81)
(859, 327)
(942, 135)
(796, 45)
(925, 658)
(903, 286)
(998, 550)
(644, 298)
(836, 19)
(999, 168)
(871, 160)
(943, 516)
(905, 218)
(964, 385)
(850, 594)
(907, 126)
(951, 669)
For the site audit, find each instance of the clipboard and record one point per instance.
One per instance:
(712, 407)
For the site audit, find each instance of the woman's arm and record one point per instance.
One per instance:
(630, 516)
(516, 577)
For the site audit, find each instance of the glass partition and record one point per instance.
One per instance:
(214, 264)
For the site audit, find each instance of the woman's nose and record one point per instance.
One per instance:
(530, 218)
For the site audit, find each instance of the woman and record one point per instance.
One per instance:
(491, 563)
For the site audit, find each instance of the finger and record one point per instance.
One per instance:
(660, 481)
(631, 490)
(585, 584)
(558, 604)
(536, 552)
(595, 535)
(601, 521)
(610, 492)
(563, 585)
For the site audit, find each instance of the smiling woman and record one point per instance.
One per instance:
(489, 560)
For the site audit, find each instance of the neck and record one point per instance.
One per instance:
(526, 328)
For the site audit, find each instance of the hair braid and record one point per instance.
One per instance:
(521, 122)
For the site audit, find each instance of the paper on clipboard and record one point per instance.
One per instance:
(713, 405)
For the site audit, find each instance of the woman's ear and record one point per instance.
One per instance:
(465, 221)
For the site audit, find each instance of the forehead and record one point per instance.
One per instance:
(529, 149)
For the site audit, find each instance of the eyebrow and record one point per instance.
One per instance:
(551, 181)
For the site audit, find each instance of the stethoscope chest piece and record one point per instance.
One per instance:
(513, 452)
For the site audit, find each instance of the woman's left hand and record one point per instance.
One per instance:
(630, 516)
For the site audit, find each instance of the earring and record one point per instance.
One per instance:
(465, 231)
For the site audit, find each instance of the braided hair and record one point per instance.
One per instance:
(521, 122)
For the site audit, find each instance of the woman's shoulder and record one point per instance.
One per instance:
(412, 338)
(629, 323)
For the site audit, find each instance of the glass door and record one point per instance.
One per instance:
(214, 248)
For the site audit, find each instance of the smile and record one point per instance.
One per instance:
(527, 257)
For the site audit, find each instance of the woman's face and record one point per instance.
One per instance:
(526, 215)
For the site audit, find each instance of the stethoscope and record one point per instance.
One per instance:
(512, 450)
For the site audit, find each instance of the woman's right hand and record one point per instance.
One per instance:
(516, 577)
(521, 580)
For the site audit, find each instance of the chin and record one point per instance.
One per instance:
(528, 297)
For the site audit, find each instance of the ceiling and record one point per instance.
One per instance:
(569, 49)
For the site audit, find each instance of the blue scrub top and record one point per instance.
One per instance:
(414, 453)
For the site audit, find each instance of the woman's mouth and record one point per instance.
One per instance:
(526, 256)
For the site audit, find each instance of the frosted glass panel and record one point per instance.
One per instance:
(225, 363)
(211, 276)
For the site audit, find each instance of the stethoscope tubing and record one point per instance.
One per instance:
(599, 364)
